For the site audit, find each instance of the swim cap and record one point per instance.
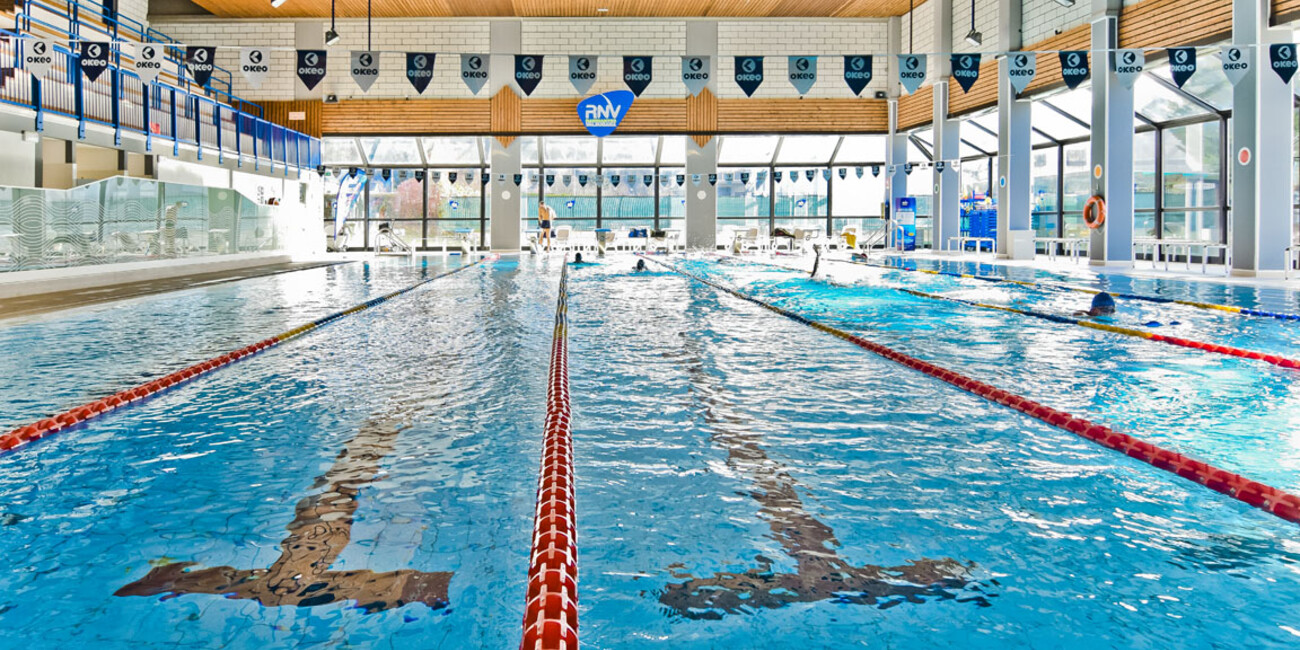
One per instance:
(1103, 302)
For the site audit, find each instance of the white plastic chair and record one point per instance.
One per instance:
(560, 237)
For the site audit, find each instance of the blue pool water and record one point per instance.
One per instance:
(743, 480)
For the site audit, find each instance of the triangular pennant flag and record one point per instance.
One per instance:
(810, 174)
(615, 179)
(1236, 63)
(695, 73)
(365, 69)
(728, 178)
(311, 67)
(1283, 59)
(519, 179)
(419, 69)
(907, 169)
(966, 70)
(744, 178)
(1074, 67)
(550, 180)
(1182, 64)
(857, 72)
(582, 180)
(528, 72)
(911, 71)
(199, 61)
(875, 170)
(844, 173)
(1021, 68)
(94, 58)
(802, 71)
(826, 174)
(599, 179)
(567, 179)
(469, 178)
(713, 179)
(638, 72)
(451, 177)
(749, 73)
(858, 171)
(696, 179)
(582, 72)
(647, 179)
(681, 180)
(38, 56)
(1129, 65)
(761, 179)
(254, 62)
(778, 175)
(474, 70)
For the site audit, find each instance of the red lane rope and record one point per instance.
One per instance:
(551, 613)
(1270, 499)
(77, 415)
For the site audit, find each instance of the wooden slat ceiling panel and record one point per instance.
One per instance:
(1285, 11)
(564, 8)
(426, 116)
(805, 116)
(1166, 22)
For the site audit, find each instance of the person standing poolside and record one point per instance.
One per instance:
(544, 217)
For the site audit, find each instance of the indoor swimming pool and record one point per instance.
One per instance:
(742, 480)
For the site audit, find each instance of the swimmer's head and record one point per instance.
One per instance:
(577, 258)
(1103, 304)
(640, 265)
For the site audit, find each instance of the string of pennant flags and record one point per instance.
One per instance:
(631, 180)
(638, 71)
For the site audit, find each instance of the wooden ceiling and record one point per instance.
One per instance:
(563, 8)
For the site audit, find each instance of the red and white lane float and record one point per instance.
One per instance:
(1265, 497)
(80, 414)
(551, 612)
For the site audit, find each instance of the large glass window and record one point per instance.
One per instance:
(1076, 188)
(1144, 184)
(455, 207)
(1044, 174)
(574, 202)
(631, 203)
(672, 197)
(800, 200)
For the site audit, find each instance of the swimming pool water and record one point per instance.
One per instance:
(744, 481)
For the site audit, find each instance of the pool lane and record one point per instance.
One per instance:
(726, 456)
(371, 484)
(55, 361)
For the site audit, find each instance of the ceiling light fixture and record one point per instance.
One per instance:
(973, 37)
(1065, 3)
(331, 36)
(603, 10)
(275, 4)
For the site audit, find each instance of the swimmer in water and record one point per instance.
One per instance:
(640, 266)
(817, 250)
(1103, 304)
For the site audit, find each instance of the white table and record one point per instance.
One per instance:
(1171, 247)
(978, 241)
(1072, 246)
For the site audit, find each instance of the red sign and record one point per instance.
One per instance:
(1243, 156)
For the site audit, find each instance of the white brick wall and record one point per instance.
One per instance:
(1045, 18)
(986, 22)
(610, 41)
(922, 30)
(137, 10)
(242, 34)
(395, 37)
(776, 41)
(665, 40)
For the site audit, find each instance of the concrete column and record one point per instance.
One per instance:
(895, 142)
(946, 188)
(1112, 141)
(507, 208)
(945, 204)
(310, 35)
(1012, 184)
(702, 200)
(1260, 218)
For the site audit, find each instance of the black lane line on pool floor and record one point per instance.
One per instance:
(1265, 497)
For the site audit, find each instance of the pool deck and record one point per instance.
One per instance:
(50, 302)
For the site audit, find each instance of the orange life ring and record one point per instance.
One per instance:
(1094, 212)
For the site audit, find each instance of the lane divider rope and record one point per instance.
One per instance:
(551, 612)
(1265, 497)
(1213, 348)
(80, 414)
(1066, 287)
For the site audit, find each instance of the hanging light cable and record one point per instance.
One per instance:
(331, 36)
(973, 37)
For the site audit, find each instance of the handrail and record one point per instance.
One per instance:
(111, 30)
(120, 100)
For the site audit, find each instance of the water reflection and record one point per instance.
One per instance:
(320, 530)
(821, 574)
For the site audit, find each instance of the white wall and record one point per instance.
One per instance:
(1045, 18)
(776, 41)
(17, 160)
(556, 39)
(986, 22)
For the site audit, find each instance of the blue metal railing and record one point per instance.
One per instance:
(172, 108)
